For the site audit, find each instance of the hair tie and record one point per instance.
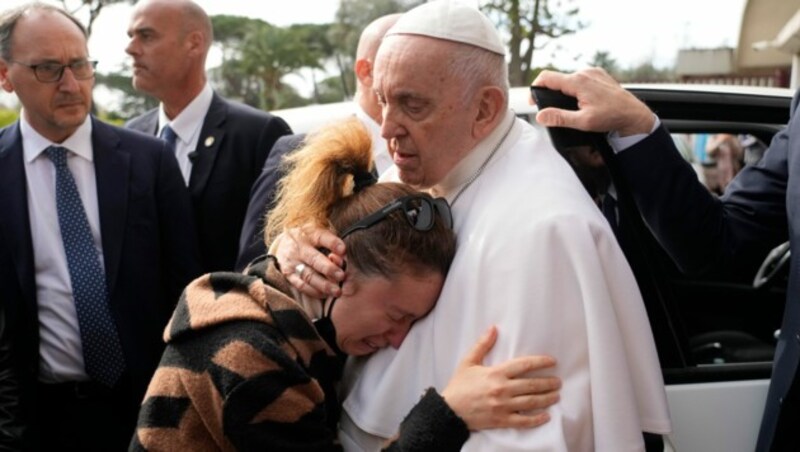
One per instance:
(362, 179)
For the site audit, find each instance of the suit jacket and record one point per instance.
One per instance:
(234, 143)
(10, 423)
(149, 250)
(758, 211)
(262, 195)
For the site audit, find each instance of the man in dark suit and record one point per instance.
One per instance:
(757, 212)
(96, 243)
(220, 145)
(368, 110)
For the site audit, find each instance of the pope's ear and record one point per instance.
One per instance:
(490, 100)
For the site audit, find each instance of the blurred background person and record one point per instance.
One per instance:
(96, 243)
(220, 145)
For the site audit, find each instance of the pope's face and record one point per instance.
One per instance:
(54, 109)
(427, 118)
(378, 312)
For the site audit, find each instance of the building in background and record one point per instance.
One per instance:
(768, 48)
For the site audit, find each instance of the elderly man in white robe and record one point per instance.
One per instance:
(535, 256)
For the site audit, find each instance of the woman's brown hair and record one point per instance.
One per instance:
(318, 190)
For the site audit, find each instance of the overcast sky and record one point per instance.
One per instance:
(632, 31)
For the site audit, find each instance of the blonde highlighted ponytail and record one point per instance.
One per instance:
(319, 175)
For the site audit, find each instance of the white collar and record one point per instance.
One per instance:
(190, 120)
(463, 172)
(33, 143)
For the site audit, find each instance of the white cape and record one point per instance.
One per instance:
(536, 258)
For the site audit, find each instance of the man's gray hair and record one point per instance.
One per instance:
(478, 67)
(9, 19)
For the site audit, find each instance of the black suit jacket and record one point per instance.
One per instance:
(149, 250)
(262, 195)
(758, 211)
(233, 145)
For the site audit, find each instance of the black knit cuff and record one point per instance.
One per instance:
(431, 426)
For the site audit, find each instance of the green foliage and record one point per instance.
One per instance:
(535, 71)
(330, 89)
(646, 73)
(531, 25)
(132, 103)
(351, 18)
(257, 55)
(112, 118)
(7, 116)
(603, 59)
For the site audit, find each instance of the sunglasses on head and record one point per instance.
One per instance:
(419, 210)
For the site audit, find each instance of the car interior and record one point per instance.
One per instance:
(709, 328)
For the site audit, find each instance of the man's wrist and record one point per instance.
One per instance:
(619, 143)
(644, 124)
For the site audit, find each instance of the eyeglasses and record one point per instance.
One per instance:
(419, 210)
(52, 72)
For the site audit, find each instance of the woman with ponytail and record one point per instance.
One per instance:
(246, 368)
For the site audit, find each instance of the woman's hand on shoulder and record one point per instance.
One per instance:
(503, 395)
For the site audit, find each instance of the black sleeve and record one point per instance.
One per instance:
(11, 428)
(703, 233)
(262, 194)
(430, 426)
(177, 230)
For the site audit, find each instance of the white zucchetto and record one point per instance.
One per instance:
(451, 21)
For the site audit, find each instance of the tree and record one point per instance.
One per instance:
(257, 55)
(351, 18)
(132, 102)
(602, 59)
(647, 72)
(7, 116)
(531, 25)
(94, 8)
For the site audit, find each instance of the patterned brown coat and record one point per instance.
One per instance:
(245, 369)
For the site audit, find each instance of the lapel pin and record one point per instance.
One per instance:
(209, 141)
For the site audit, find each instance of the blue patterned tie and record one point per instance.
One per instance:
(168, 135)
(102, 351)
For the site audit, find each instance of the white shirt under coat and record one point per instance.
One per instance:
(60, 349)
(187, 125)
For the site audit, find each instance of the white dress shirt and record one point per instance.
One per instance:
(619, 144)
(60, 350)
(187, 126)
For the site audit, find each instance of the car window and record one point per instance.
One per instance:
(719, 326)
(718, 157)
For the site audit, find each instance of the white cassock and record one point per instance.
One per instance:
(536, 258)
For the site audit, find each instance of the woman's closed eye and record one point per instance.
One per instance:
(402, 318)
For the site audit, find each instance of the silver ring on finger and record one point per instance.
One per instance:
(298, 270)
